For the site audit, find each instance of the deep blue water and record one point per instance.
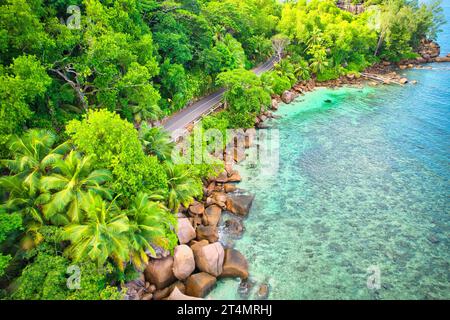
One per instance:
(362, 183)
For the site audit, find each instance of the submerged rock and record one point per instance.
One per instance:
(263, 291)
(239, 203)
(234, 227)
(433, 239)
(245, 287)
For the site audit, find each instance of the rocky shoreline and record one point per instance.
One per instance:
(202, 256)
(205, 252)
(383, 73)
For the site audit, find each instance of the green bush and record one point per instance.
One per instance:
(276, 82)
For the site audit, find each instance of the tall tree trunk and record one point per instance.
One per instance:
(380, 42)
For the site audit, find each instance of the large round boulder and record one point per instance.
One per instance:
(197, 245)
(183, 262)
(212, 215)
(185, 231)
(159, 272)
(287, 97)
(210, 258)
(209, 233)
(200, 284)
(234, 265)
(196, 208)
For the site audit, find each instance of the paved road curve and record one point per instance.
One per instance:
(179, 121)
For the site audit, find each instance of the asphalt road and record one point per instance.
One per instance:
(177, 123)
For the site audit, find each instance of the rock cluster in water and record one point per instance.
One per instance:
(200, 258)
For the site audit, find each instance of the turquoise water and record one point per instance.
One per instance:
(362, 182)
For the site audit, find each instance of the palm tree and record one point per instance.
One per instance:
(182, 186)
(315, 39)
(101, 234)
(286, 68)
(33, 153)
(157, 142)
(72, 178)
(19, 199)
(29, 207)
(302, 70)
(143, 112)
(150, 222)
(319, 61)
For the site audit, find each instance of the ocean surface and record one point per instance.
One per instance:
(361, 194)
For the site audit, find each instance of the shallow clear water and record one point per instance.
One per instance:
(362, 181)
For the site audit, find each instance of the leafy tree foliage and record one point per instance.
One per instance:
(245, 96)
(9, 223)
(114, 144)
(402, 24)
(20, 85)
(44, 279)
